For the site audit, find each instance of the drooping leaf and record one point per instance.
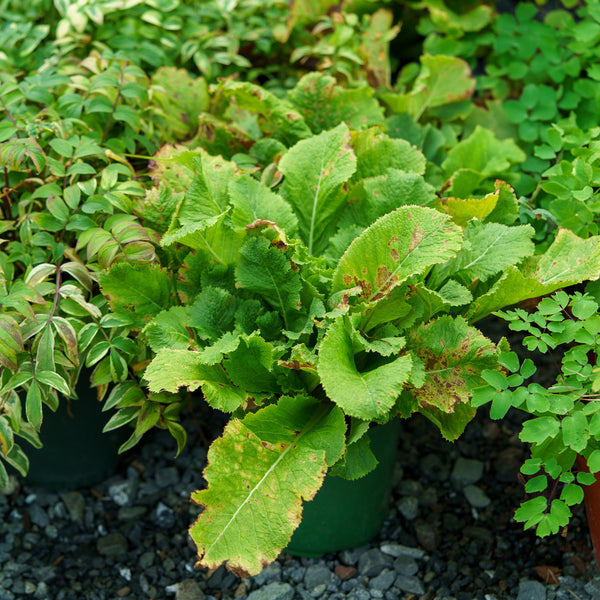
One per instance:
(11, 342)
(173, 369)
(363, 394)
(398, 245)
(314, 171)
(262, 489)
(454, 356)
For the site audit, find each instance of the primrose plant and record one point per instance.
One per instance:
(309, 287)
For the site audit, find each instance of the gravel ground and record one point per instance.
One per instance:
(449, 532)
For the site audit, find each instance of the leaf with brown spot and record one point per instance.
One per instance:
(454, 355)
(405, 242)
(255, 490)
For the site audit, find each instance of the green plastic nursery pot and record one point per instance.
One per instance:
(75, 452)
(346, 514)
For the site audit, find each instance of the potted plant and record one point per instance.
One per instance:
(563, 430)
(317, 286)
(66, 215)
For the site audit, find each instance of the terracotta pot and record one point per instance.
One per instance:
(591, 495)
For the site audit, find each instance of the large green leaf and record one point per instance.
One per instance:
(442, 80)
(255, 488)
(251, 201)
(315, 170)
(207, 196)
(143, 290)
(374, 197)
(454, 355)
(376, 152)
(569, 260)
(324, 104)
(500, 206)
(265, 270)
(169, 329)
(484, 153)
(403, 243)
(219, 243)
(365, 394)
(174, 369)
(487, 250)
(182, 99)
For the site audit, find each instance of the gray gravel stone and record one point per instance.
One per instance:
(358, 593)
(408, 507)
(269, 574)
(410, 584)
(466, 471)
(397, 550)
(131, 513)
(372, 562)
(189, 589)
(167, 477)
(113, 544)
(433, 468)
(273, 591)
(351, 556)
(165, 517)
(317, 575)
(476, 497)
(75, 504)
(405, 565)
(383, 581)
(592, 587)
(531, 590)
(122, 493)
(38, 516)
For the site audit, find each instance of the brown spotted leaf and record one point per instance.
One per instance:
(405, 242)
(454, 355)
(256, 487)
